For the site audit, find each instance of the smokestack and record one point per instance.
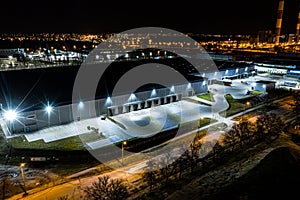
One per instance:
(279, 20)
(298, 27)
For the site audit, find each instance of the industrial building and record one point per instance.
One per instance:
(234, 72)
(11, 52)
(294, 73)
(264, 86)
(25, 122)
(34, 120)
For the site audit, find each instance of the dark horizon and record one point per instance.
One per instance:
(78, 16)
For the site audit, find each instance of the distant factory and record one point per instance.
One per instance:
(279, 23)
(267, 36)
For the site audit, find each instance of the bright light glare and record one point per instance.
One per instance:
(132, 98)
(80, 104)
(49, 109)
(153, 93)
(172, 89)
(108, 101)
(10, 115)
(189, 86)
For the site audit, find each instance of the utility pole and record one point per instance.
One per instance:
(123, 144)
(23, 178)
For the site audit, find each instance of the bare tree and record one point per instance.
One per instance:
(231, 138)
(5, 185)
(245, 131)
(218, 152)
(181, 163)
(192, 154)
(274, 125)
(66, 197)
(106, 188)
(151, 174)
(168, 167)
(260, 127)
(269, 126)
(296, 105)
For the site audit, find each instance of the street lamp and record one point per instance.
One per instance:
(10, 115)
(248, 103)
(123, 144)
(48, 109)
(199, 122)
(80, 105)
(23, 177)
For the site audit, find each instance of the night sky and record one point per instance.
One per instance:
(82, 16)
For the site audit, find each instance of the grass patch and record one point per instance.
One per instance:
(256, 92)
(72, 143)
(208, 97)
(239, 105)
(67, 144)
(234, 106)
(188, 138)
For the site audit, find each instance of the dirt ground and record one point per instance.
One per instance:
(271, 173)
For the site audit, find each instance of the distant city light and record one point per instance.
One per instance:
(10, 115)
(237, 70)
(226, 71)
(246, 69)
